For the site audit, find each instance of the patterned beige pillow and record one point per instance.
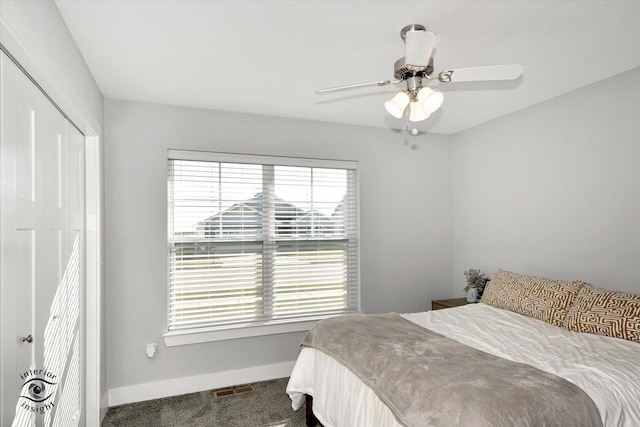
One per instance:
(537, 297)
(604, 312)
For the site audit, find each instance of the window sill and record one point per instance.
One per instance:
(221, 333)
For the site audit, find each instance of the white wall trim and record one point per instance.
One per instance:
(104, 406)
(178, 386)
(194, 336)
(94, 392)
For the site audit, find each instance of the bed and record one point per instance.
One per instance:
(584, 337)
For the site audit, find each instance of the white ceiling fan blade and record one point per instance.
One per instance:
(418, 48)
(357, 85)
(473, 74)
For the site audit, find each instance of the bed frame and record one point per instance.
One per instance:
(311, 419)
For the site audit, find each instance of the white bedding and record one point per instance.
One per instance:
(607, 369)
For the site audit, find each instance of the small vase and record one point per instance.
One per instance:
(472, 294)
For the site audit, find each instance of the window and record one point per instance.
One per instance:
(259, 240)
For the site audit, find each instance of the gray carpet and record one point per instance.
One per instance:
(267, 406)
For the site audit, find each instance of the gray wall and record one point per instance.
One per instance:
(35, 33)
(553, 190)
(405, 246)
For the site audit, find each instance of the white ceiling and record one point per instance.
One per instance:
(269, 57)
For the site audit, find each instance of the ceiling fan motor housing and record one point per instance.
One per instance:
(402, 72)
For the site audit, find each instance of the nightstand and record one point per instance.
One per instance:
(449, 303)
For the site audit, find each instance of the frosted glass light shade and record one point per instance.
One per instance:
(396, 105)
(417, 113)
(430, 99)
(418, 47)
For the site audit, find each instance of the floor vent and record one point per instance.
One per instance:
(232, 391)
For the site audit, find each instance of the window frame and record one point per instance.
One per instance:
(266, 327)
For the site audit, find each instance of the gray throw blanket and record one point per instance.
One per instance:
(427, 379)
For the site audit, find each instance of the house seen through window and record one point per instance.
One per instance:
(254, 240)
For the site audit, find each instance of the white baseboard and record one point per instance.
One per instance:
(104, 405)
(178, 386)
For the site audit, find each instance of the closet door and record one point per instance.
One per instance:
(42, 213)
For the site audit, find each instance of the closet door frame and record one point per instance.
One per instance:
(96, 398)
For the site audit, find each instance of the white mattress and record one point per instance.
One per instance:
(607, 369)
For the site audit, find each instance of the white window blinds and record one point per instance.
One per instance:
(258, 239)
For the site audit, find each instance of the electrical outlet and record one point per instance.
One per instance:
(152, 350)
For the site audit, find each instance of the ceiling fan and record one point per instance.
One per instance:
(415, 69)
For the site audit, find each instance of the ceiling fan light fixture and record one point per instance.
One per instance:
(396, 105)
(430, 99)
(417, 113)
(416, 69)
